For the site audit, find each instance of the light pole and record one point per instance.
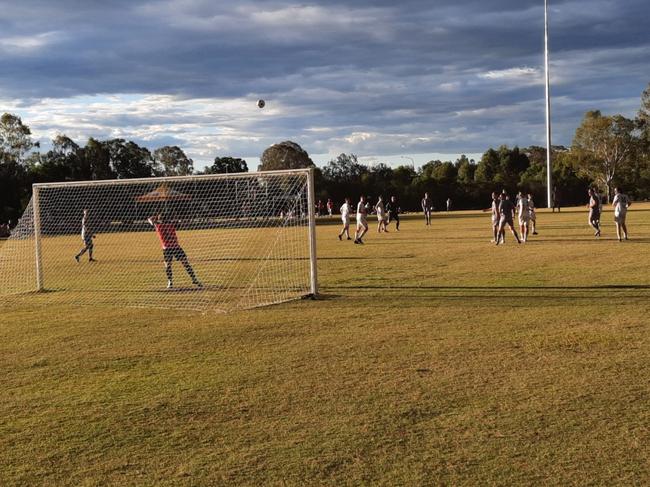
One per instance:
(549, 174)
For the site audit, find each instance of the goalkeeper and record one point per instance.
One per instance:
(171, 249)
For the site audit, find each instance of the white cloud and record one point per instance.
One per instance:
(14, 44)
(518, 73)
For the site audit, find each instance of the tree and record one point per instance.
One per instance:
(98, 158)
(129, 160)
(285, 155)
(225, 165)
(170, 160)
(644, 112)
(465, 170)
(64, 162)
(488, 167)
(604, 146)
(512, 162)
(15, 138)
(345, 168)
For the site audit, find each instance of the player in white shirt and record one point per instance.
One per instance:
(494, 209)
(426, 208)
(87, 236)
(523, 215)
(345, 217)
(531, 214)
(362, 220)
(381, 215)
(621, 203)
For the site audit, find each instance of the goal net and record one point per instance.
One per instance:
(215, 242)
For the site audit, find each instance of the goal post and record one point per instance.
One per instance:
(208, 242)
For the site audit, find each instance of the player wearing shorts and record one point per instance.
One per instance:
(330, 206)
(345, 217)
(494, 209)
(506, 216)
(393, 212)
(594, 211)
(621, 203)
(531, 214)
(426, 208)
(523, 216)
(87, 236)
(380, 210)
(362, 220)
(171, 249)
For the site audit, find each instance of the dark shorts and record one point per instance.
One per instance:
(173, 253)
(88, 242)
(393, 216)
(594, 215)
(506, 220)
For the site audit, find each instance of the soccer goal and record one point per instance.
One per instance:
(213, 242)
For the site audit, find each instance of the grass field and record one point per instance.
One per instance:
(432, 358)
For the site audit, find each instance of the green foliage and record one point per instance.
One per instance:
(604, 147)
(129, 160)
(465, 169)
(15, 138)
(172, 161)
(225, 165)
(285, 155)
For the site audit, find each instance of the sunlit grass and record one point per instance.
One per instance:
(432, 358)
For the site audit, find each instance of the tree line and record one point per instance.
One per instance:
(606, 150)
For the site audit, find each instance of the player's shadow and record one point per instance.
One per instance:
(497, 288)
(525, 294)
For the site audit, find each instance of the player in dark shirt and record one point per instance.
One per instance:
(393, 212)
(507, 212)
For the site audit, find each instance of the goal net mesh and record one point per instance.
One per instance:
(241, 241)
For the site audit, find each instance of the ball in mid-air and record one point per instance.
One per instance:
(261, 103)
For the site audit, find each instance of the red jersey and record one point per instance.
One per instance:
(167, 234)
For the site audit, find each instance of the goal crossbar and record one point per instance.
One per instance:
(244, 238)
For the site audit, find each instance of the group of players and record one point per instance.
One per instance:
(386, 213)
(503, 214)
(502, 208)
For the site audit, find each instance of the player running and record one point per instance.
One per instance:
(426, 208)
(594, 211)
(345, 217)
(523, 215)
(531, 214)
(362, 220)
(506, 212)
(87, 236)
(393, 212)
(621, 203)
(381, 215)
(171, 249)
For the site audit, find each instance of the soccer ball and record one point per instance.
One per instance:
(261, 103)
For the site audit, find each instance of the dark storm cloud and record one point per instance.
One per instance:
(372, 77)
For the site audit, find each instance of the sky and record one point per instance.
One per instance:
(392, 82)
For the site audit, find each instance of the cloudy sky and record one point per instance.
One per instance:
(382, 79)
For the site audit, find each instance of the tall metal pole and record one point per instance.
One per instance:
(549, 173)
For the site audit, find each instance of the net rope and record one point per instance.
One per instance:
(242, 242)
